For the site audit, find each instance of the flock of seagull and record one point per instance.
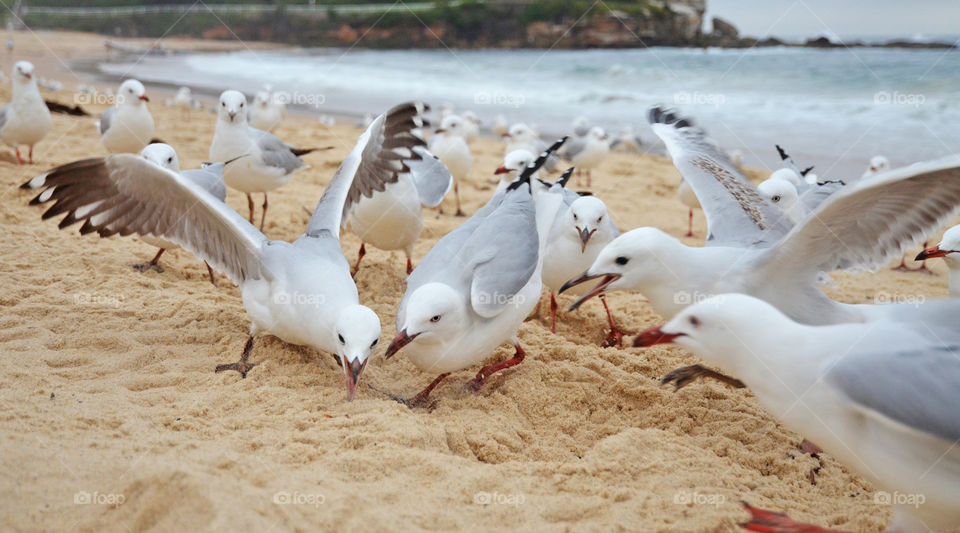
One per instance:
(875, 385)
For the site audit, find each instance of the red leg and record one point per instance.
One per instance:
(553, 314)
(771, 522)
(360, 254)
(250, 205)
(456, 193)
(213, 278)
(17, 150)
(152, 265)
(484, 374)
(615, 337)
(420, 400)
(263, 216)
(690, 224)
(589, 178)
(409, 266)
(31, 160)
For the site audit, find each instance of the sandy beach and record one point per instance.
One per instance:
(114, 420)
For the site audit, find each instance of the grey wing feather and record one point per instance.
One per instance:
(125, 194)
(573, 147)
(106, 118)
(210, 177)
(430, 176)
(381, 154)
(816, 194)
(275, 152)
(736, 213)
(3, 115)
(915, 387)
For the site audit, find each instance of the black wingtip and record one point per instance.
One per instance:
(783, 154)
(565, 177)
(524, 176)
(664, 115)
(806, 171)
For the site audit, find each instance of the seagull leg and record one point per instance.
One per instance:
(553, 314)
(242, 366)
(213, 279)
(772, 522)
(420, 400)
(589, 178)
(923, 264)
(17, 150)
(690, 224)
(263, 217)
(615, 337)
(902, 267)
(456, 192)
(360, 254)
(250, 205)
(31, 160)
(409, 266)
(484, 374)
(686, 375)
(152, 265)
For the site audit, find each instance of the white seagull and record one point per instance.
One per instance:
(471, 123)
(301, 292)
(449, 144)
(475, 287)
(879, 397)
(751, 247)
(513, 163)
(267, 112)
(878, 164)
(500, 125)
(392, 219)
(627, 140)
(265, 162)
(949, 250)
(587, 152)
(522, 137)
(127, 126)
(26, 119)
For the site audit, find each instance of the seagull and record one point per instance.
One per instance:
(752, 248)
(475, 287)
(500, 125)
(879, 397)
(783, 194)
(878, 164)
(587, 152)
(301, 292)
(449, 144)
(949, 250)
(513, 163)
(522, 137)
(627, 140)
(26, 119)
(471, 125)
(127, 126)
(392, 219)
(267, 112)
(209, 177)
(580, 127)
(580, 230)
(265, 162)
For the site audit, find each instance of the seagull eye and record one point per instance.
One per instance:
(599, 219)
(622, 260)
(375, 343)
(169, 160)
(776, 198)
(339, 336)
(241, 104)
(575, 217)
(435, 318)
(223, 104)
(694, 321)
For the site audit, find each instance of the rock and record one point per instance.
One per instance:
(724, 30)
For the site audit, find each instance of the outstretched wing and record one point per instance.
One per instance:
(126, 194)
(736, 213)
(378, 159)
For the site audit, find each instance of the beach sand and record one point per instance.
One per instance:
(109, 394)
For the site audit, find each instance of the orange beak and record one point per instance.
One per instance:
(502, 170)
(144, 98)
(398, 342)
(652, 336)
(931, 253)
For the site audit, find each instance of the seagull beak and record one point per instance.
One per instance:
(931, 253)
(144, 98)
(607, 280)
(231, 114)
(353, 370)
(585, 237)
(398, 343)
(502, 170)
(28, 75)
(441, 130)
(506, 135)
(652, 336)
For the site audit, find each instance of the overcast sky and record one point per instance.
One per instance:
(845, 18)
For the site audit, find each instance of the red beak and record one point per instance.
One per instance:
(506, 135)
(398, 342)
(28, 75)
(652, 336)
(502, 170)
(441, 130)
(607, 280)
(353, 372)
(931, 253)
(584, 238)
(144, 98)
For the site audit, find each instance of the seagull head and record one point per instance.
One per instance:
(132, 92)
(520, 132)
(262, 99)
(233, 107)
(514, 162)
(434, 313)
(597, 133)
(878, 163)
(585, 218)
(23, 72)
(783, 194)
(632, 261)
(471, 117)
(948, 249)
(451, 124)
(162, 155)
(787, 174)
(357, 335)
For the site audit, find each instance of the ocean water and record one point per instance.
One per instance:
(832, 108)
